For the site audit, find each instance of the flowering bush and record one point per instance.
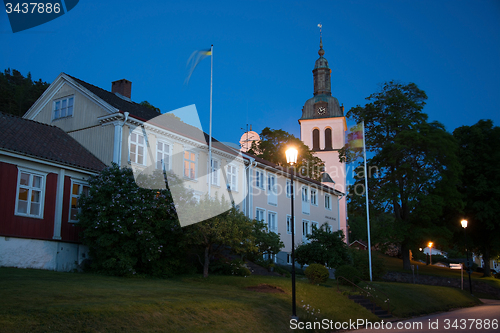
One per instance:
(129, 229)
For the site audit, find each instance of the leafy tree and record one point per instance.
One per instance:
(273, 145)
(267, 242)
(19, 93)
(325, 248)
(479, 153)
(418, 169)
(148, 105)
(130, 229)
(231, 230)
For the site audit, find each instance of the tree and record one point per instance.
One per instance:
(148, 105)
(130, 229)
(273, 145)
(231, 230)
(479, 154)
(19, 93)
(267, 242)
(418, 169)
(325, 248)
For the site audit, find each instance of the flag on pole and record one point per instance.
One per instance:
(195, 59)
(355, 137)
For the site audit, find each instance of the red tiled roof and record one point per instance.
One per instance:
(46, 142)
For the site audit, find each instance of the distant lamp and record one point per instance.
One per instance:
(469, 264)
(430, 251)
(291, 156)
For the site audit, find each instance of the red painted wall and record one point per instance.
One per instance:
(20, 226)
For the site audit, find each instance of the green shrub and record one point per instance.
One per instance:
(317, 273)
(348, 272)
(360, 260)
(224, 266)
(280, 270)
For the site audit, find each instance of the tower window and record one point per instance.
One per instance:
(315, 139)
(328, 138)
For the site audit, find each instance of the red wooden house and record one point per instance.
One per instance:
(43, 172)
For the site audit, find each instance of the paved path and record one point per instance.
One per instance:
(474, 319)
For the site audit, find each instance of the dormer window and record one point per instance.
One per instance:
(63, 107)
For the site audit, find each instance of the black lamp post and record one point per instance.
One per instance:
(291, 158)
(469, 264)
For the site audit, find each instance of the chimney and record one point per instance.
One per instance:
(123, 87)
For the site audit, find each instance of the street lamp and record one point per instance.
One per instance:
(430, 252)
(291, 158)
(469, 267)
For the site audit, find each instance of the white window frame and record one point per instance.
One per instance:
(138, 145)
(305, 195)
(270, 227)
(67, 108)
(215, 171)
(271, 188)
(306, 229)
(259, 179)
(168, 154)
(190, 161)
(289, 225)
(30, 189)
(314, 225)
(71, 196)
(314, 197)
(263, 212)
(328, 201)
(232, 177)
(289, 259)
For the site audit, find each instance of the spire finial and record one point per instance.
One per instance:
(321, 52)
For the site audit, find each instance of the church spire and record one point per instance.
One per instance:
(321, 71)
(321, 52)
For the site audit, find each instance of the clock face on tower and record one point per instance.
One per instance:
(321, 110)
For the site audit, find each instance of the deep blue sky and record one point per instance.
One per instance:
(264, 53)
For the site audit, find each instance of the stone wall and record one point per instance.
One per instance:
(477, 286)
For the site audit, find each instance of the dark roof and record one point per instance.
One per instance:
(135, 109)
(46, 142)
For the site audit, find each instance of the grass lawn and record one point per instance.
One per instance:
(46, 301)
(396, 265)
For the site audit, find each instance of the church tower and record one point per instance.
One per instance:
(323, 127)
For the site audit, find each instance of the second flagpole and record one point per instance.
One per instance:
(210, 126)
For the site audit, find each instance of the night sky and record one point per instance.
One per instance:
(264, 53)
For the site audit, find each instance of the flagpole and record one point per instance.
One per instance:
(367, 206)
(210, 126)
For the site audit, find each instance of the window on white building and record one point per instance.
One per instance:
(272, 197)
(259, 179)
(328, 201)
(271, 222)
(189, 165)
(288, 188)
(260, 215)
(305, 228)
(137, 148)
(314, 225)
(232, 177)
(305, 196)
(314, 197)
(77, 189)
(289, 225)
(215, 172)
(289, 258)
(30, 194)
(163, 152)
(63, 108)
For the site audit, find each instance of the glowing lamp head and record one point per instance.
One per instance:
(464, 223)
(430, 244)
(291, 156)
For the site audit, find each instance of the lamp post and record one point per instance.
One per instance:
(291, 158)
(430, 252)
(469, 265)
